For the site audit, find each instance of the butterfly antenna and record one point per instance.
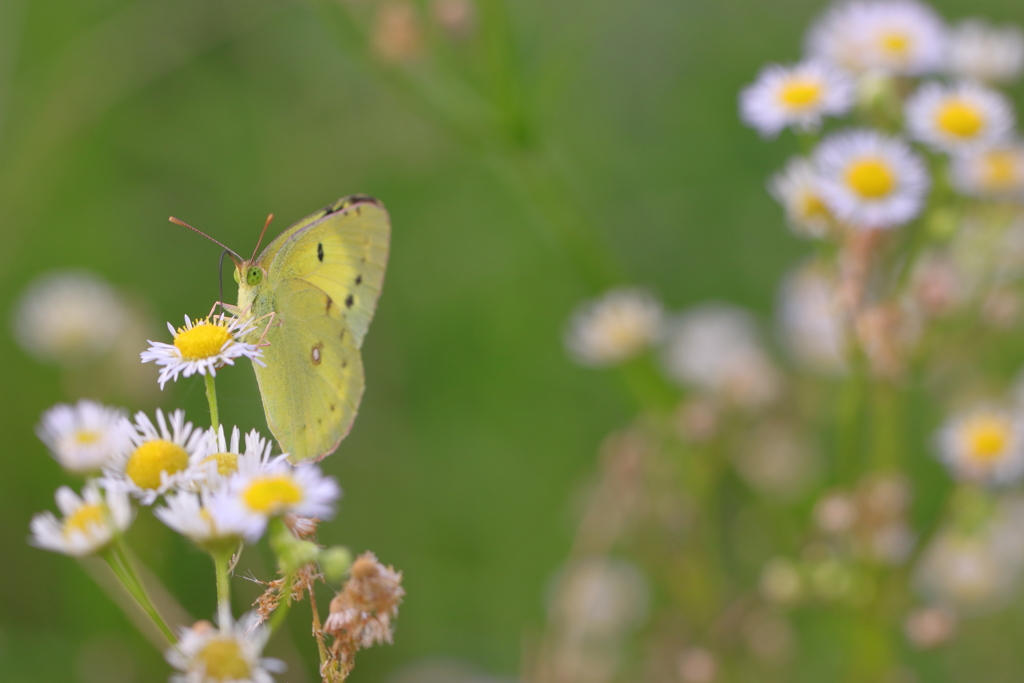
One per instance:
(260, 240)
(234, 257)
(220, 272)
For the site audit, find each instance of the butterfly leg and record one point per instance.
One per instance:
(233, 310)
(270, 323)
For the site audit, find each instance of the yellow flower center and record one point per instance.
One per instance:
(87, 437)
(871, 177)
(960, 119)
(988, 438)
(896, 43)
(227, 463)
(800, 93)
(223, 660)
(84, 517)
(152, 458)
(270, 495)
(204, 340)
(811, 207)
(1000, 169)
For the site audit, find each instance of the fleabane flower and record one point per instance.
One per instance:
(900, 37)
(159, 457)
(201, 346)
(799, 96)
(870, 180)
(207, 654)
(85, 437)
(990, 172)
(614, 328)
(89, 522)
(214, 465)
(797, 188)
(954, 118)
(981, 52)
(70, 317)
(191, 515)
(257, 493)
(985, 444)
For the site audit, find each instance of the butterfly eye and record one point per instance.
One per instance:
(254, 276)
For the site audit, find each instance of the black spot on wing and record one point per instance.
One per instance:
(359, 279)
(349, 300)
(320, 252)
(330, 302)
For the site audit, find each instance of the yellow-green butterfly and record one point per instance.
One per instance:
(317, 285)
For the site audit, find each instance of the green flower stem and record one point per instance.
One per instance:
(121, 564)
(211, 397)
(221, 561)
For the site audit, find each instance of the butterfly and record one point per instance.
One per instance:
(316, 287)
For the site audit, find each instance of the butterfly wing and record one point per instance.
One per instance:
(313, 379)
(344, 253)
(324, 276)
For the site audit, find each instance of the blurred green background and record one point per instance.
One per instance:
(475, 430)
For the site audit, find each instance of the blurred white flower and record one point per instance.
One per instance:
(929, 627)
(231, 653)
(959, 117)
(697, 665)
(992, 172)
(599, 599)
(260, 491)
(799, 96)
(900, 37)
(458, 18)
(69, 317)
(781, 581)
(811, 319)
(158, 458)
(86, 437)
(775, 459)
(938, 286)
(615, 327)
(871, 180)
(796, 187)
(88, 525)
(991, 54)
(976, 572)
(983, 444)
(214, 465)
(190, 515)
(716, 348)
(835, 513)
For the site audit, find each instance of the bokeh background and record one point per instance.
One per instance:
(476, 431)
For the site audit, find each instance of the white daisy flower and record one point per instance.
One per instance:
(259, 492)
(201, 346)
(206, 654)
(796, 188)
(984, 444)
(871, 180)
(981, 52)
(159, 457)
(85, 437)
(798, 96)
(716, 348)
(811, 319)
(69, 317)
(992, 172)
(619, 325)
(954, 118)
(191, 515)
(214, 465)
(88, 525)
(900, 37)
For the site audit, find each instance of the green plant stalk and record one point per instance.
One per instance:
(121, 564)
(211, 398)
(221, 561)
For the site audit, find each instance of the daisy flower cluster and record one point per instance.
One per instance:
(874, 391)
(217, 487)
